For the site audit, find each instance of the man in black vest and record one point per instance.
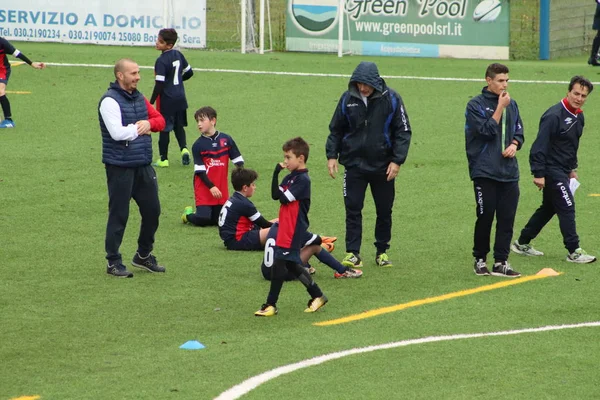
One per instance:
(126, 120)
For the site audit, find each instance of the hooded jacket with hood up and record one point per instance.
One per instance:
(369, 136)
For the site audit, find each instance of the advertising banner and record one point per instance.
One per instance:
(131, 22)
(412, 28)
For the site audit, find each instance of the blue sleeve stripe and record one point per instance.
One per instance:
(388, 121)
(481, 110)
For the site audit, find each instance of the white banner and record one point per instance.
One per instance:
(126, 23)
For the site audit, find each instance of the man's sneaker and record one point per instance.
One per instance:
(352, 261)
(329, 247)
(328, 239)
(525, 249)
(504, 269)
(185, 157)
(161, 163)
(148, 263)
(7, 123)
(266, 310)
(382, 260)
(579, 256)
(119, 270)
(480, 267)
(186, 211)
(316, 303)
(350, 273)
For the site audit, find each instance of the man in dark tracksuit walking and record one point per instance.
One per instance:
(593, 60)
(370, 135)
(553, 161)
(493, 134)
(126, 120)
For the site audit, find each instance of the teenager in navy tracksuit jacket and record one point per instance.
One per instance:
(493, 134)
(370, 136)
(553, 161)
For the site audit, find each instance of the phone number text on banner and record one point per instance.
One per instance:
(134, 23)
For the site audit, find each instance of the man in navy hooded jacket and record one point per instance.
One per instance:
(370, 136)
(493, 134)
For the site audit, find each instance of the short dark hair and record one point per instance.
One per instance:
(120, 65)
(169, 35)
(205, 112)
(298, 146)
(495, 69)
(241, 177)
(584, 82)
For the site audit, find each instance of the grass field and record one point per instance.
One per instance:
(69, 331)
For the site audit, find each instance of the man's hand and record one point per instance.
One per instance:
(38, 65)
(510, 151)
(539, 182)
(392, 171)
(504, 99)
(573, 174)
(216, 193)
(503, 102)
(143, 127)
(332, 166)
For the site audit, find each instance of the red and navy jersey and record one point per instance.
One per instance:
(270, 247)
(6, 48)
(212, 155)
(169, 68)
(268, 254)
(237, 217)
(293, 212)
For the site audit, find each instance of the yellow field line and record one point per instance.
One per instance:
(17, 92)
(429, 300)
(36, 397)
(16, 63)
(594, 195)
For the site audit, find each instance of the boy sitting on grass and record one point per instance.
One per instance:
(212, 152)
(241, 225)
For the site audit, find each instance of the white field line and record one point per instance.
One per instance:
(241, 71)
(248, 385)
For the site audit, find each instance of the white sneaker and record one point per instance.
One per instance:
(525, 249)
(350, 273)
(579, 256)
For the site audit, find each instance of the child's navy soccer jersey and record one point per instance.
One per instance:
(269, 251)
(169, 68)
(212, 155)
(237, 217)
(5, 48)
(293, 212)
